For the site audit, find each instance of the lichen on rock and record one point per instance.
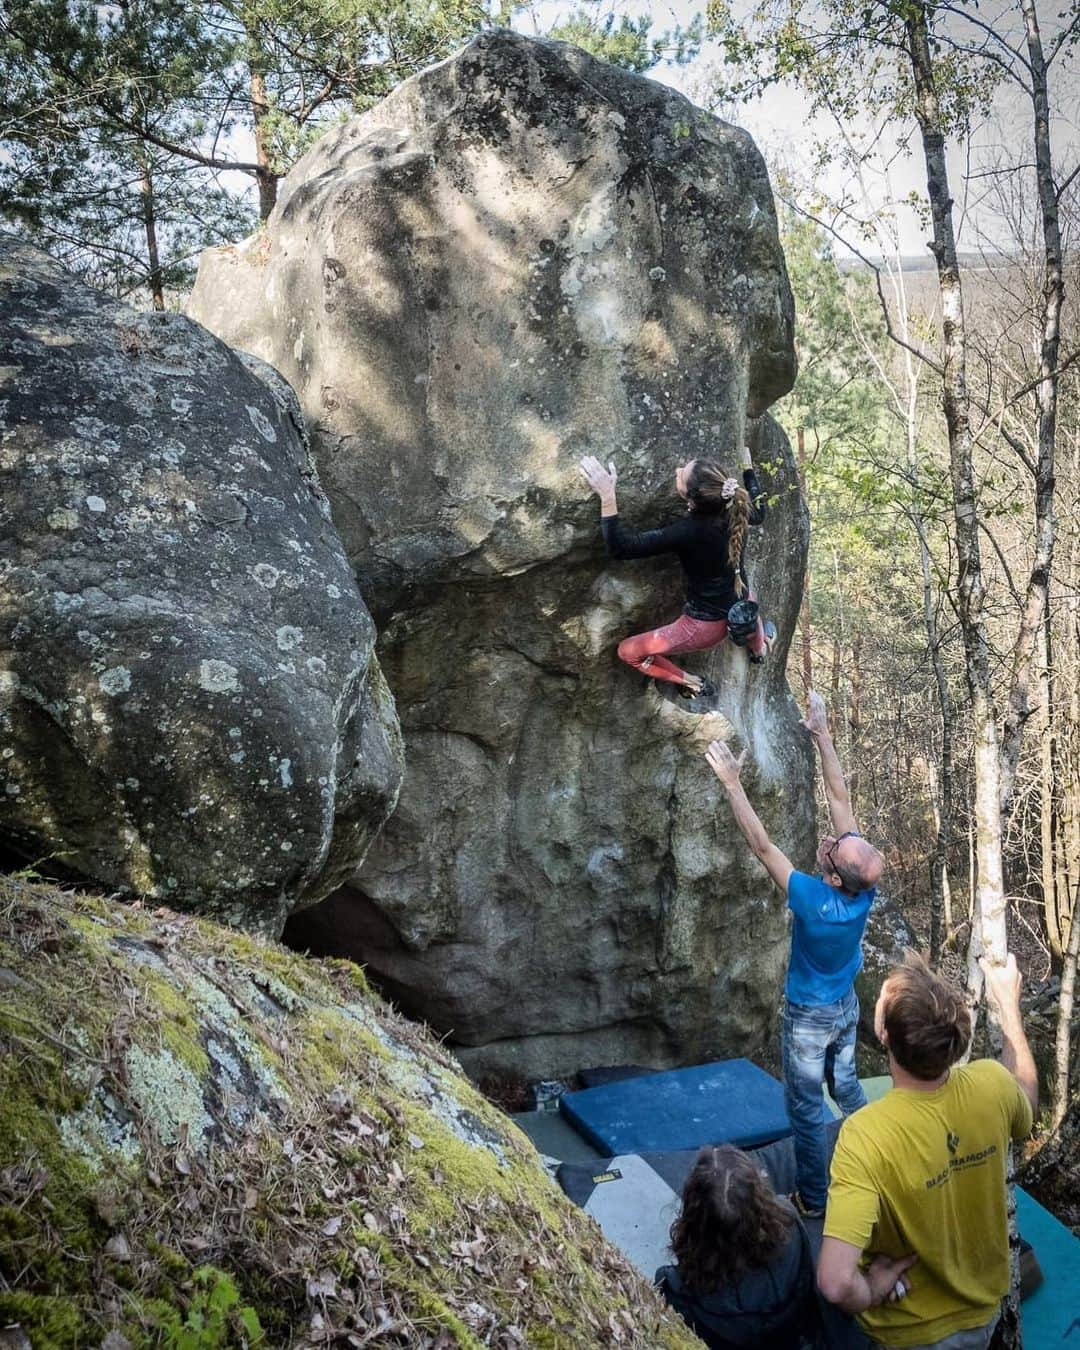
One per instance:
(190, 708)
(153, 1186)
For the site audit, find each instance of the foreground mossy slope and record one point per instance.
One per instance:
(207, 1140)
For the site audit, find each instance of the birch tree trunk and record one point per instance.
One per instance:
(942, 790)
(940, 897)
(1046, 394)
(1049, 803)
(1067, 834)
(855, 724)
(1068, 741)
(990, 886)
(1063, 1041)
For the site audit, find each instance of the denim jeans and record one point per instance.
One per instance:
(975, 1339)
(818, 1046)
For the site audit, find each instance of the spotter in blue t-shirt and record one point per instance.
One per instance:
(826, 939)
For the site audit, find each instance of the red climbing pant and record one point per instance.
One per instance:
(647, 652)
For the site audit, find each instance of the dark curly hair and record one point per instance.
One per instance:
(730, 1221)
(704, 491)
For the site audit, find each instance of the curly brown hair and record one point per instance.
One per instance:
(730, 1221)
(704, 490)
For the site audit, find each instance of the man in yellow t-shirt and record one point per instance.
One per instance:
(915, 1239)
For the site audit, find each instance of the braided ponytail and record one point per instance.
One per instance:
(705, 489)
(738, 523)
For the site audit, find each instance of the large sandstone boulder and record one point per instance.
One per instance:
(189, 705)
(208, 1141)
(521, 256)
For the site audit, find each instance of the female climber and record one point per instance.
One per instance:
(709, 542)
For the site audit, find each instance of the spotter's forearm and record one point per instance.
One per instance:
(746, 818)
(836, 789)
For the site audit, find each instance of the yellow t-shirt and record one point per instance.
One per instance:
(924, 1172)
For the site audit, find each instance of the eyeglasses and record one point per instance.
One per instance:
(848, 834)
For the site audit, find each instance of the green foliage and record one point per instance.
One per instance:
(837, 402)
(866, 488)
(322, 59)
(90, 99)
(629, 43)
(215, 1317)
(843, 55)
(55, 1323)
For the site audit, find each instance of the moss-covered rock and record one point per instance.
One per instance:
(209, 1141)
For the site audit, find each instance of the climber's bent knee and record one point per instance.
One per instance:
(630, 651)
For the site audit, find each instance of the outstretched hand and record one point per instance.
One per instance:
(723, 763)
(816, 720)
(1002, 983)
(601, 480)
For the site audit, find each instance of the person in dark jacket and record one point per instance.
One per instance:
(744, 1272)
(709, 542)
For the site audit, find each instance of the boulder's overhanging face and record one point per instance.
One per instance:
(521, 256)
(198, 1123)
(562, 883)
(190, 708)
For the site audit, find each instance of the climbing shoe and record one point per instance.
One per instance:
(805, 1211)
(758, 658)
(705, 694)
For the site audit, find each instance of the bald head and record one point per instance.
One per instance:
(856, 864)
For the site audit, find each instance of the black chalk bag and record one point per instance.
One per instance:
(742, 619)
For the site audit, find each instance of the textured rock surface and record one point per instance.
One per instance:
(888, 935)
(204, 1136)
(521, 256)
(189, 704)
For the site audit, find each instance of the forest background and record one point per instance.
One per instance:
(936, 417)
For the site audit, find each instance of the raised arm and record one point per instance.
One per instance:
(753, 487)
(626, 543)
(816, 722)
(727, 768)
(1003, 986)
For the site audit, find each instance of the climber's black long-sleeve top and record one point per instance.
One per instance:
(701, 541)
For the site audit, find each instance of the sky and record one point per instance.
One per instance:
(784, 130)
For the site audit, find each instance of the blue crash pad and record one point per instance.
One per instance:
(730, 1102)
(1052, 1313)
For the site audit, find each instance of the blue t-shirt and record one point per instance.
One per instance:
(826, 939)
